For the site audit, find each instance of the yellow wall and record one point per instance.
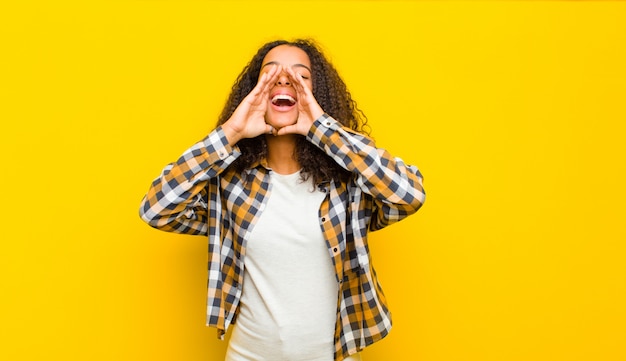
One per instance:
(514, 111)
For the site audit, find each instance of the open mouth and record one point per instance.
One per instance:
(283, 100)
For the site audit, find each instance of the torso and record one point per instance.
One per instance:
(288, 307)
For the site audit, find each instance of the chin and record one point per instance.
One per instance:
(281, 120)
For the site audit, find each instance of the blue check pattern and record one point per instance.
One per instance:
(200, 195)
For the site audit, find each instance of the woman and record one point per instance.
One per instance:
(286, 187)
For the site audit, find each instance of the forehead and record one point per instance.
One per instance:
(287, 55)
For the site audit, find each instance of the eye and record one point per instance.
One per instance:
(304, 77)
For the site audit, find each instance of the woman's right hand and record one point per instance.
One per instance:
(248, 120)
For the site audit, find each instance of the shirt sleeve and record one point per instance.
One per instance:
(177, 200)
(396, 187)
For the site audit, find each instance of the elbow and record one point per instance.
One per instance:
(409, 194)
(419, 194)
(414, 197)
(147, 215)
(144, 216)
(418, 200)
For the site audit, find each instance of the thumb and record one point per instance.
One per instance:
(287, 129)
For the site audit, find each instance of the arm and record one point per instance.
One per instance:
(177, 200)
(397, 188)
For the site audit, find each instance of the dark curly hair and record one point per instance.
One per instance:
(330, 92)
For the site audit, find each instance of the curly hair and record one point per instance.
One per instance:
(331, 93)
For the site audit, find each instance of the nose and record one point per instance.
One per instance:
(283, 79)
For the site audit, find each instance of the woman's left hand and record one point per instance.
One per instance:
(308, 108)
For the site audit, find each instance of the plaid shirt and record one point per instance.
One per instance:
(199, 194)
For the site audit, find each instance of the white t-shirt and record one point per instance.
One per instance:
(288, 306)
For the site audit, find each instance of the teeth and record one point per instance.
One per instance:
(287, 97)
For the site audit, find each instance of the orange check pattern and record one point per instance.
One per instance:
(199, 194)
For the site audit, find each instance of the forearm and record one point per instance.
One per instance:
(175, 200)
(388, 179)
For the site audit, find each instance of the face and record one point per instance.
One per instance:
(282, 106)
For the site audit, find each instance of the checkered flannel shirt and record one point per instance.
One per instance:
(199, 194)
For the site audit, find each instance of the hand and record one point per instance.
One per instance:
(248, 119)
(308, 108)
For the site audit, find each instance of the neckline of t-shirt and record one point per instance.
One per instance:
(287, 177)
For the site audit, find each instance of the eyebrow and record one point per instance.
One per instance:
(277, 63)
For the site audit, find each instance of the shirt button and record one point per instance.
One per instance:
(335, 249)
(323, 219)
(327, 123)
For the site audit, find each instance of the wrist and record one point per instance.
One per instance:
(317, 113)
(232, 135)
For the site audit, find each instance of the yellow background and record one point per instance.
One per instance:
(514, 112)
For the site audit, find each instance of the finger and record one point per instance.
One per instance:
(266, 79)
(294, 79)
(305, 87)
(259, 85)
(270, 80)
(301, 86)
(273, 74)
(299, 79)
(288, 129)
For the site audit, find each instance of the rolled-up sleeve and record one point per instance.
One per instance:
(396, 187)
(176, 200)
